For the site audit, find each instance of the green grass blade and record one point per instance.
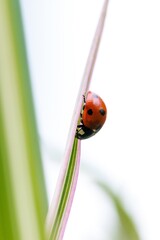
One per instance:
(23, 202)
(61, 204)
(66, 195)
(126, 227)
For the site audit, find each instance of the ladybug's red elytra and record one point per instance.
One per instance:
(93, 116)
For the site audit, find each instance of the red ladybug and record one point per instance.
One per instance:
(93, 116)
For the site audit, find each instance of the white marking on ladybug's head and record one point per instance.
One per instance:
(80, 131)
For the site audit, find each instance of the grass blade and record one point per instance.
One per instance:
(53, 225)
(67, 193)
(23, 202)
(126, 227)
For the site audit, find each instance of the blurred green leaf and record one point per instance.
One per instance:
(23, 201)
(126, 229)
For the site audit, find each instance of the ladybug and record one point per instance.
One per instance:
(92, 117)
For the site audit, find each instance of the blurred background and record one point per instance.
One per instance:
(125, 154)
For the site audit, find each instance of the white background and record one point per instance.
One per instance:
(127, 75)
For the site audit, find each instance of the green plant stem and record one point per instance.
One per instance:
(65, 193)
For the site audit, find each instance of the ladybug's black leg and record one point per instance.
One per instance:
(79, 126)
(84, 102)
(84, 99)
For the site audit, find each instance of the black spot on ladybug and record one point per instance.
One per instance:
(102, 112)
(90, 112)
